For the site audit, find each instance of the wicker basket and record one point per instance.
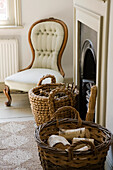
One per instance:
(45, 99)
(73, 88)
(57, 159)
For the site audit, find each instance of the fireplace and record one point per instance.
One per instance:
(90, 47)
(87, 75)
(88, 50)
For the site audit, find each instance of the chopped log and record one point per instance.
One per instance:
(82, 145)
(91, 106)
(71, 133)
(78, 139)
(58, 142)
(85, 148)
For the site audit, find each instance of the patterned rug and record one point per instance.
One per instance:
(18, 149)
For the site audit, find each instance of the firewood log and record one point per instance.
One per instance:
(85, 148)
(82, 145)
(58, 142)
(91, 105)
(71, 133)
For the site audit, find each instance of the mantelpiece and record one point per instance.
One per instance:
(94, 14)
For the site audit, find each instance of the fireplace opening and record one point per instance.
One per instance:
(89, 71)
(87, 75)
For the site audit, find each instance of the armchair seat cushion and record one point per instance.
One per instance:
(25, 80)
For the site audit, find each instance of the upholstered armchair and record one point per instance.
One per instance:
(47, 39)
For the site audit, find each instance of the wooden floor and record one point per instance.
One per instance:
(19, 110)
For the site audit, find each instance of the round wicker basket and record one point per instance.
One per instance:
(45, 99)
(71, 159)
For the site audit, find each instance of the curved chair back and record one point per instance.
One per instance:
(47, 39)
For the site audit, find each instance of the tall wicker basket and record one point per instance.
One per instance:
(45, 99)
(57, 159)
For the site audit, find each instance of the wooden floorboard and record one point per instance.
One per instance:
(20, 108)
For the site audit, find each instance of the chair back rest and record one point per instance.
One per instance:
(47, 39)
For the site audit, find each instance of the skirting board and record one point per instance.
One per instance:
(1, 86)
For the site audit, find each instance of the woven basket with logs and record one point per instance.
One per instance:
(45, 99)
(69, 157)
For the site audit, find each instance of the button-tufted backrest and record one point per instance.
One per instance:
(46, 39)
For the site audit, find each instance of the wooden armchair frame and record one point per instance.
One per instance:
(62, 47)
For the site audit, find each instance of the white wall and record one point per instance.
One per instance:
(38, 9)
(109, 112)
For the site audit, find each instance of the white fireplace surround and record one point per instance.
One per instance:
(88, 12)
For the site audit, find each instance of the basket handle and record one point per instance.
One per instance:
(53, 79)
(61, 111)
(89, 143)
(53, 93)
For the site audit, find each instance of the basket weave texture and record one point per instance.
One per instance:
(45, 99)
(57, 159)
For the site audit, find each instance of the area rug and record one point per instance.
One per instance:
(18, 148)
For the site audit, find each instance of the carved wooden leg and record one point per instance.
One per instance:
(7, 93)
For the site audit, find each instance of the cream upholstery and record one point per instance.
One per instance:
(47, 39)
(28, 79)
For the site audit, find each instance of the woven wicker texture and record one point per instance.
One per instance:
(52, 158)
(45, 99)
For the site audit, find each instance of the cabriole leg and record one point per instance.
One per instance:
(7, 93)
